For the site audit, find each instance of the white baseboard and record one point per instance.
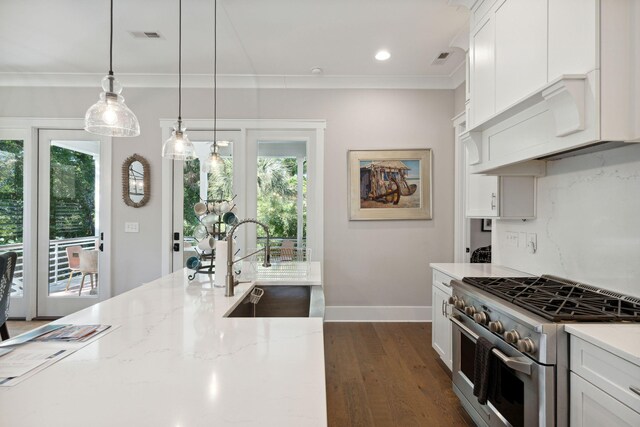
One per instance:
(343, 313)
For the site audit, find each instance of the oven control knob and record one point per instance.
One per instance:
(470, 310)
(512, 336)
(496, 327)
(453, 299)
(459, 303)
(526, 345)
(481, 318)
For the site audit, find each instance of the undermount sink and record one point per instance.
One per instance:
(282, 301)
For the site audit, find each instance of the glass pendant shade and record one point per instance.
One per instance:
(110, 115)
(178, 146)
(214, 163)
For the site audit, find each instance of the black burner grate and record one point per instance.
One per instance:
(560, 300)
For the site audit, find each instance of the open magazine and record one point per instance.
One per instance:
(73, 333)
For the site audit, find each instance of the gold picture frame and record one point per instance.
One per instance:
(390, 184)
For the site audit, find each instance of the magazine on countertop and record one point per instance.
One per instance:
(73, 333)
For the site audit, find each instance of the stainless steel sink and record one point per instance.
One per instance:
(282, 301)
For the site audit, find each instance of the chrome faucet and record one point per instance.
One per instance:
(229, 280)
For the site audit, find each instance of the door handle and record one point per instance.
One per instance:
(520, 364)
(101, 247)
(176, 247)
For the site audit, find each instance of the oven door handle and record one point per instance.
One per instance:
(520, 364)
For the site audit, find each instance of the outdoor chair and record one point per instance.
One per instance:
(7, 268)
(88, 266)
(73, 255)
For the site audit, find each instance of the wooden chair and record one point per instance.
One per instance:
(88, 266)
(286, 250)
(7, 268)
(73, 255)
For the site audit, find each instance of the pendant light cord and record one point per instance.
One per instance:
(111, 43)
(180, 66)
(215, 72)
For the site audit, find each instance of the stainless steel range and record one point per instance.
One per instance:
(523, 319)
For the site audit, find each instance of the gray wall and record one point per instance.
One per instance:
(366, 263)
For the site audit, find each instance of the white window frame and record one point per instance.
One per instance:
(311, 131)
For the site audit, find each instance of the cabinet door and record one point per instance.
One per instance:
(441, 328)
(482, 71)
(481, 197)
(573, 38)
(520, 49)
(591, 406)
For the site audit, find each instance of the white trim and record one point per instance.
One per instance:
(231, 81)
(459, 75)
(462, 225)
(343, 313)
(243, 150)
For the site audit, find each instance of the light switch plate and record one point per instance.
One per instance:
(131, 227)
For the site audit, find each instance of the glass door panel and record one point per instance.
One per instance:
(70, 215)
(198, 181)
(282, 192)
(12, 213)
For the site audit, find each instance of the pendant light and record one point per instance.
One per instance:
(110, 115)
(178, 146)
(215, 161)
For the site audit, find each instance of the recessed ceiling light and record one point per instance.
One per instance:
(383, 55)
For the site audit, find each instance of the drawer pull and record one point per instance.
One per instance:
(636, 390)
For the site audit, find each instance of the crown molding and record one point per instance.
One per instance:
(459, 75)
(235, 81)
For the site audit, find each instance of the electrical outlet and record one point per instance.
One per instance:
(532, 243)
(512, 239)
(131, 227)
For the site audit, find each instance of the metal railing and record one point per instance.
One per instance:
(58, 260)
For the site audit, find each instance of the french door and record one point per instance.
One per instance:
(273, 168)
(13, 233)
(74, 203)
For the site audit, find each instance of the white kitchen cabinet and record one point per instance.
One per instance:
(482, 70)
(549, 76)
(520, 49)
(592, 407)
(604, 386)
(441, 326)
(505, 197)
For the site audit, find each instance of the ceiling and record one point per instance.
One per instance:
(67, 40)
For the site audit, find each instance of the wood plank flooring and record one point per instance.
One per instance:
(387, 374)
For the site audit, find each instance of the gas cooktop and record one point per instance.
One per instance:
(561, 300)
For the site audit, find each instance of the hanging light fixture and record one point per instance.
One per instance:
(178, 146)
(215, 162)
(110, 115)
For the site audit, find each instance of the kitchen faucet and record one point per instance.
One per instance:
(229, 280)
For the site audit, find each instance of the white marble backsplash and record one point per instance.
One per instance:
(587, 225)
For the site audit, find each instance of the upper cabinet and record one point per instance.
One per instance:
(547, 76)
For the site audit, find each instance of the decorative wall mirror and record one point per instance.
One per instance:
(136, 181)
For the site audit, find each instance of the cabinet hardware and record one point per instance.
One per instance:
(493, 201)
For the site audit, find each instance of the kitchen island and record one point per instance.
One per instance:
(175, 360)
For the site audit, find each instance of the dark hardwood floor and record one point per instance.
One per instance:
(387, 374)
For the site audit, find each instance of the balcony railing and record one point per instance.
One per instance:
(58, 260)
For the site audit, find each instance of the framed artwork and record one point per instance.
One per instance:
(389, 184)
(486, 224)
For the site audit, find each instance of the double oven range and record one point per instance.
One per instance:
(523, 319)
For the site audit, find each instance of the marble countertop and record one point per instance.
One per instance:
(460, 270)
(623, 340)
(176, 361)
